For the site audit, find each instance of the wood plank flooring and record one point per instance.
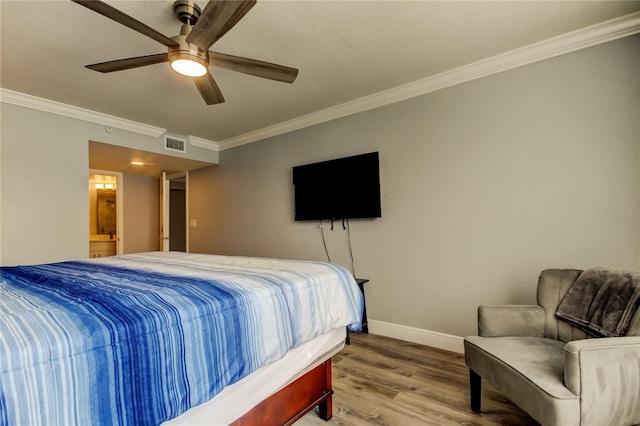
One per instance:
(389, 382)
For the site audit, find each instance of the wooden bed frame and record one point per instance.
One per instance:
(295, 400)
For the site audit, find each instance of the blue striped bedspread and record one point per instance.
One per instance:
(139, 339)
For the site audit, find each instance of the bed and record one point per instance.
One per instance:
(174, 338)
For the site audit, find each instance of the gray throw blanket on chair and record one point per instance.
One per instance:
(602, 302)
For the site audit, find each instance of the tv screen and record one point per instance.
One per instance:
(346, 188)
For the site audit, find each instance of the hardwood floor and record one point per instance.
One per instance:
(389, 382)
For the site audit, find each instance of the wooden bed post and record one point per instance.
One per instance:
(326, 406)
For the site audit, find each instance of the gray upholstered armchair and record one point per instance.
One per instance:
(550, 368)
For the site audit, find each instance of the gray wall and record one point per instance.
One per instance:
(483, 185)
(44, 187)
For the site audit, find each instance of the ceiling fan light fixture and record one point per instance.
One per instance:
(189, 67)
(187, 59)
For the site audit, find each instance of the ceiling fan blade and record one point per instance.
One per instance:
(209, 89)
(218, 17)
(253, 67)
(125, 64)
(126, 20)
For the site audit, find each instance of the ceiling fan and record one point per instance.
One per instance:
(188, 53)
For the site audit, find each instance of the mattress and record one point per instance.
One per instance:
(140, 339)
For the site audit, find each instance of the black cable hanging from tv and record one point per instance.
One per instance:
(346, 226)
(324, 242)
(353, 268)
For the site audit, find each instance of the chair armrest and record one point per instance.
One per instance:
(588, 355)
(605, 373)
(511, 320)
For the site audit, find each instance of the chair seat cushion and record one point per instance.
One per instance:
(540, 360)
(529, 371)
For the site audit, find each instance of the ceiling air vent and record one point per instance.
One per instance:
(175, 144)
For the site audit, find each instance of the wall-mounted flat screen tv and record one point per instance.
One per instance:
(345, 188)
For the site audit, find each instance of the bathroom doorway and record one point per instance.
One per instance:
(105, 213)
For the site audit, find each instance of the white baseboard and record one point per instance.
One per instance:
(434, 339)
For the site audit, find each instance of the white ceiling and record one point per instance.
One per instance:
(345, 50)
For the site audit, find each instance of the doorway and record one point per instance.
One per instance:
(174, 212)
(178, 214)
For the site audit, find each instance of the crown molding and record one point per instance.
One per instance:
(204, 143)
(566, 43)
(46, 105)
